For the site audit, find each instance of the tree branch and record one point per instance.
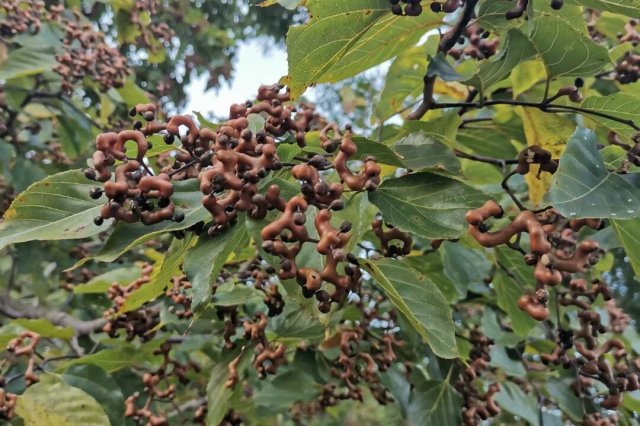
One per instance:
(450, 38)
(187, 406)
(14, 309)
(542, 106)
(447, 41)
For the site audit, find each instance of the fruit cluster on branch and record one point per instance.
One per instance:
(230, 162)
(159, 385)
(475, 43)
(553, 248)
(477, 406)
(152, 36)
(86, 53)
(23, 16)
(24, 345)
(560, 261)
(139, 322)
(604, 361)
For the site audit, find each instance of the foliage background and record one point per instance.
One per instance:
(46, 131)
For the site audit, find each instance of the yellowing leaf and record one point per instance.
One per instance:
(386, 170)
(53, 403)
(526, 75)
(37, 111)
(453, 90)
(549, 131)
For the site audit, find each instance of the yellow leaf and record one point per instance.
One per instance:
(549, 131)
(37, 111)
(453, 90)
(387, 170)
(526, 75)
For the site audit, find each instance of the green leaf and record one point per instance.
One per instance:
(565, 51)
(56, 208)
(101, 386)
(508, 292)
(280, 393)
(219, 395)
(583, 188)
(125, 236)
(404, 79)
(420, 301)
(208, 256)
(75, 128)
(132, 94)
(517, 49)
(494, 329)
(287, 4)
(434, 402)
(498, 145)
(115, 359)
(101, 283)
(342, 39)
(232, 294)
(572, 406)
(204, 122)
(27, 61)
(510, 286)
(614, 156)
(420, 151)
(395, 380)
(626, 7)
(431, 265)
(628, 233)
(359, 211)
(379, 150)
(515, 401)
(491, 15)
(297, 324)
(571, 14)
(160, 279)
(619, 105)
(51, 403)
(287, 152)
(45, 328)
(256, 122)
(158, 147)
(444, 127)
(500, 359)
(440, 67)
(427, 204)
(464, 266)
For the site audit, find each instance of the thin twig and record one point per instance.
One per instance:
(183, 167)
(467, 121)
(549, 108)
(482, 159)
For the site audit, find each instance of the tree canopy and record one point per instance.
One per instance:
(449, 235)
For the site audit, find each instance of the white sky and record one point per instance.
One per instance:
(253, 67)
